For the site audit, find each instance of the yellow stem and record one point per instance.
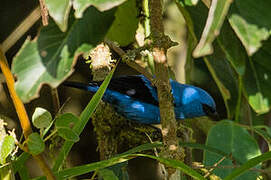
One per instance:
(21, 112)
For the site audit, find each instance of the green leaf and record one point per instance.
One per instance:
(7, 145)
(50, 58)
(249, 164)
(217, 14)
(35, 144)
(231, 139)
(6, 173)
(107, 174)
(41, 118)
(207, 148)
(176, 164)
(250, 20)
(84, 117)
(64, 125)
(256, 80)
(59, 11)
(19, 166)
(76, 171)
(79, 170)
(81, 5)
(217, 62)
(232, 48)
(125, 24)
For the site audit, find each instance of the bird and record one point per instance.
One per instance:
(135, 98)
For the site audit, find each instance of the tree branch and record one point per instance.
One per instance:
(160, 44)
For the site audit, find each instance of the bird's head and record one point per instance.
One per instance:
(191, 101)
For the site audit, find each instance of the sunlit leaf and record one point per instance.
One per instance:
(41, 118)
(59, 11)
(7, 145)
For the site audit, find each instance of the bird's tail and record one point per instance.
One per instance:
(92, 87)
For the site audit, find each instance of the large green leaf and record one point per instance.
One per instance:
(257, 79)
(81, 5)
(125, 24)
(231, 139)
(216, 63)
(59, 11)
(50, 58)
(217, 14)
(250, 20)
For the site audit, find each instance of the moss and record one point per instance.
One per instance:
(115, 134)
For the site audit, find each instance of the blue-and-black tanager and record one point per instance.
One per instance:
(135, 98)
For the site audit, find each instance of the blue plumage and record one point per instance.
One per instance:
(136, 99)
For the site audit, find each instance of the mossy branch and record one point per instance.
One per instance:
(160, 44)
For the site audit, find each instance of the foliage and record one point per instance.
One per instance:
(228, 41)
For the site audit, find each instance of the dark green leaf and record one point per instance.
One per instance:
(41, 118)
(256, 80)
(125, 24)
(107, 174)
(64, 125)
(233, 140)
(35, 144)
(50, 58)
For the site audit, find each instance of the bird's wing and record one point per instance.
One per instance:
(137, 87)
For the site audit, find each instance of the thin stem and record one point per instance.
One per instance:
(55, 98)
(50, 135)
(21, 112)
(130, 63)
(238, 105)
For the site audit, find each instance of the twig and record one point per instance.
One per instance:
(129, 62)
(20, 109)
(55, 98)
(160, 45)
(21, 29)
(44, 13)
(214, 166)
